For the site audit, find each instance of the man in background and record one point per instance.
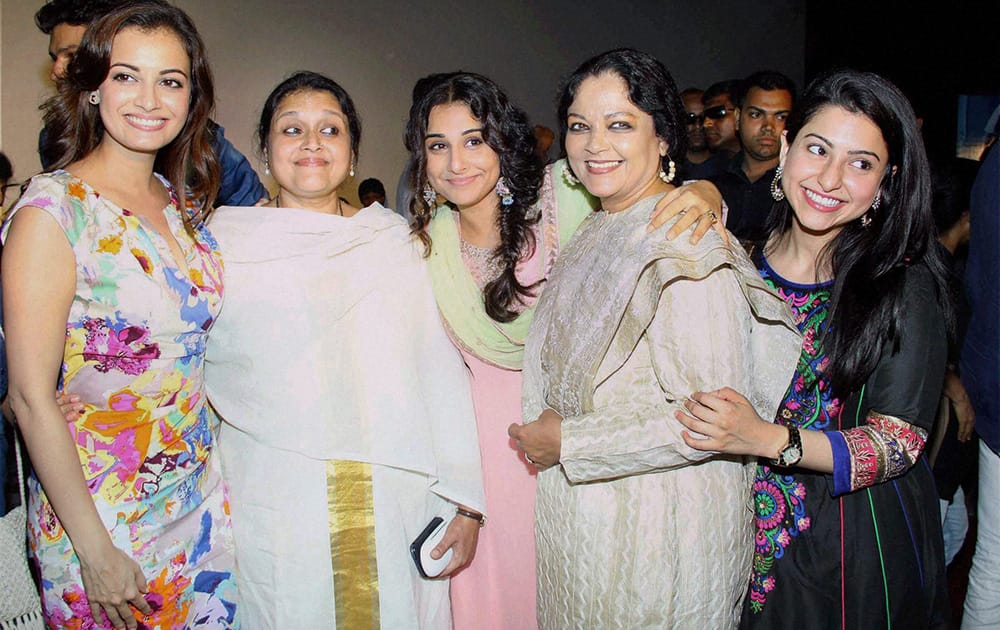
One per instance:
(764, 101)
(370, 191)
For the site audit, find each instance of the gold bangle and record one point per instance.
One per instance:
(479, 518)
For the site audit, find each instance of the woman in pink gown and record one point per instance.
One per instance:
(490, 244)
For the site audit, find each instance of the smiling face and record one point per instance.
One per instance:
(833, 170)
(460, 165)
(145, 97)
(611, 144)
(309, 146)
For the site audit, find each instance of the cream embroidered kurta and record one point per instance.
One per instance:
(635, 529)
(329, 357)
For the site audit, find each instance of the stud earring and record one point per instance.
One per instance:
(568, 175)
(777, 193)
(668, 176)
(503, 191)
(429, 195)
(94, 98)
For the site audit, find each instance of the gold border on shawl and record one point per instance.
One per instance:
(352, 544)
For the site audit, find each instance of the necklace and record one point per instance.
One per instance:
(277, 201)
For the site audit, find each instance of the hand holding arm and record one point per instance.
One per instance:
(730, 425)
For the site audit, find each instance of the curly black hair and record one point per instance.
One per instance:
(507, 131)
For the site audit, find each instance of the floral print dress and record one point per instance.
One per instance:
(135, 347)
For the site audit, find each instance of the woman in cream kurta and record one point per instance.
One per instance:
(320, 365)
(634, 528)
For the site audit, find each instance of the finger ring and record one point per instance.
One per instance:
(711, 214)
(682, 213)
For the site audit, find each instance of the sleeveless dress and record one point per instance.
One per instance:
(135, 346)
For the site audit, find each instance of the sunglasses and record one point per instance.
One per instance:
(718, 112)
(692, 118)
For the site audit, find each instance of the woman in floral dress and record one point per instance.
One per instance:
(111, 283)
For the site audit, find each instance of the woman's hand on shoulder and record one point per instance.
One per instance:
(462, 536)
(728, 423)
(699, 203)
(115, 584)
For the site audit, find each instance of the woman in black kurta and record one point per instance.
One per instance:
(848, 531)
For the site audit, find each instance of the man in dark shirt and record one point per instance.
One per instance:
(764, 102)
(65, 22)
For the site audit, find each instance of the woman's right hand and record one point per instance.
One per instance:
(114, 583)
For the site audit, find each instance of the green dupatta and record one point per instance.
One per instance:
(562, 208)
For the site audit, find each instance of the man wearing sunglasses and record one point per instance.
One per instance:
(764, 102)
(720, 118)
(697, 162)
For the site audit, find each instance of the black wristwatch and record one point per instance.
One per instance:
(791, 453)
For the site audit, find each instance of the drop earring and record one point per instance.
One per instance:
(777, 193)
(429, 195)
(668, 176)
(503, 191)
(568, 175)
(351, 174)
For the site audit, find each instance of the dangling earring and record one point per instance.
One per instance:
(866, 221)
(351, 174)
(668, 176)
(430, 196)
(267, 168)
(876, 201)
(94, 98)
(777, 193)
(503, 191)
(568, 175)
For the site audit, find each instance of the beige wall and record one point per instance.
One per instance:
(377, 48)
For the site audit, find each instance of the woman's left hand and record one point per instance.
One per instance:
(462, 535)
(698, 202)
(729, 423)
(541, 440)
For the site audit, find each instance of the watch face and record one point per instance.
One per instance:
(792, 454)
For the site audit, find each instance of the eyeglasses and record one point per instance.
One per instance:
(718, 112)
(692, 118)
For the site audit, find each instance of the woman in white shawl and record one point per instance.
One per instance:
(348, 422)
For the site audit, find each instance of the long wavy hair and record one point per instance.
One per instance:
(507, 132)
(650, 88)
(869, 264)
(75, 126)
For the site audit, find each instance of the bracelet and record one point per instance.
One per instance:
(479, 518)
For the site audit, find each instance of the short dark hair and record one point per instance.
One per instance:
(305, 81)
(650, 88)
(371, 185)
(766, 80)
(729, 87)
(75, 12)
(689, 91)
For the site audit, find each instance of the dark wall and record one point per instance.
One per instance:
(933, 53)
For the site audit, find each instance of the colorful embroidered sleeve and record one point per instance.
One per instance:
(896, 408)
(865, 456)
